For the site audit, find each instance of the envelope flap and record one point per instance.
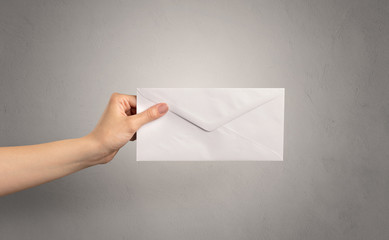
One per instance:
(211, 108)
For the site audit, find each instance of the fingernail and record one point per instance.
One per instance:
(162, 108)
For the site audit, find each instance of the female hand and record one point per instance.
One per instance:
(22, 167)
(119, 123)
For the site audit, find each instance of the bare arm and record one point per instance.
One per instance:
(22, 167)
(27, 166)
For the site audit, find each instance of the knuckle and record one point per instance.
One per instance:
(152, 113)
(115, 95)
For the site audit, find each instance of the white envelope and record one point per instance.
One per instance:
(209, 124)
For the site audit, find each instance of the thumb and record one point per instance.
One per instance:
(148, 115)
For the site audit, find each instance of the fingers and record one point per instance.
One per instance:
(148, 115)
(126, 102)
(133, 138)
(130, 99)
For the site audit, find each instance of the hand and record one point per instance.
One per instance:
(22, 167)
(119, 124)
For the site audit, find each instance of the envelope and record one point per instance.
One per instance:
(213, 124)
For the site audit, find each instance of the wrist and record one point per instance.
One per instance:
(97, 153)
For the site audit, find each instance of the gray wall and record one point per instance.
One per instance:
(61, 60)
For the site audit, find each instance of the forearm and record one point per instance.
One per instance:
(27, 166)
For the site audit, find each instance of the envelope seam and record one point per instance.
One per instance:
(220, 124)
(254, 142)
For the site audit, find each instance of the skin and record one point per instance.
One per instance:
(23, 167)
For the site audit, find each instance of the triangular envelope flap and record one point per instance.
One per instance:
(210, 108)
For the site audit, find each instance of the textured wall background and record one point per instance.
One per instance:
(61, 60)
